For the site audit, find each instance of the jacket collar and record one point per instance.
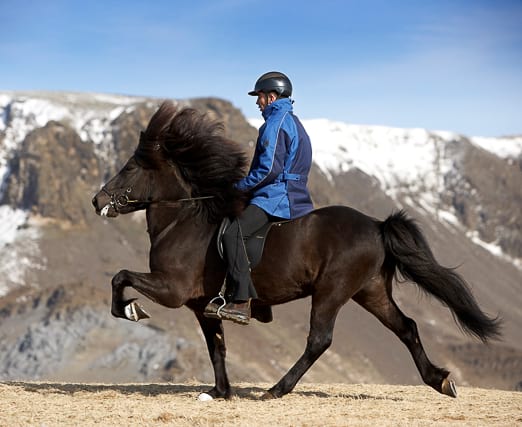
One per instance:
(283, 104)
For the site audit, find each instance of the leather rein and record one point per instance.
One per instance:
(120, 200)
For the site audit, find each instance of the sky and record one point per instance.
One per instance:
(452, 65)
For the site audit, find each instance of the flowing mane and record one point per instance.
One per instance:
(209, 163)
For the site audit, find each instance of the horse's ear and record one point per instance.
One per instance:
(144, 142)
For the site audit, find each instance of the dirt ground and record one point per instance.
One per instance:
(60, 404)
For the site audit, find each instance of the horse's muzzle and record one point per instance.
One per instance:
(104, 205)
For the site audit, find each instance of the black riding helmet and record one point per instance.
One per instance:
(274, 81)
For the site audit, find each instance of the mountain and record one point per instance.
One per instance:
(57, 257)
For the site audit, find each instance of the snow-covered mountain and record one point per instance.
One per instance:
(56, 149)
(90, 115)
(414, 167)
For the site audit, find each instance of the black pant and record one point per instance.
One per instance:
(241, 228)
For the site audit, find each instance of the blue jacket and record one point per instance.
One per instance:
(282, 160)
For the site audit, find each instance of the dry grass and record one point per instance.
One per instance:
(55, 404)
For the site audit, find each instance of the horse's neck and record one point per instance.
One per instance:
(161, 222)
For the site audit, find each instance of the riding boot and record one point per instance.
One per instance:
(238, 312)
(239, 309)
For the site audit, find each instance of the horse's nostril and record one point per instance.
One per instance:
(94, 202)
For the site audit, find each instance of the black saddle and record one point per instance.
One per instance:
(254, 245)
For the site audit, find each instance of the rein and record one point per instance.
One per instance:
(122, 199)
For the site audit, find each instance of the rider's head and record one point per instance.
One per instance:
(270, 87)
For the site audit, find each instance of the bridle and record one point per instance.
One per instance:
(121, 200)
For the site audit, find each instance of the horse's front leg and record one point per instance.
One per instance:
(154, 286)
(215, 339)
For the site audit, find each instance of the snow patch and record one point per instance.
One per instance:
(19, 250)
(90, 115)
(402, 160)
(494, 249)
(11, 221)
(506, 148)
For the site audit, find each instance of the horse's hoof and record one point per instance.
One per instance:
(448, 388)
(135, 312)
(268, 396)
(205, 397)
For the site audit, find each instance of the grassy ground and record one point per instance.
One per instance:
(55, 404)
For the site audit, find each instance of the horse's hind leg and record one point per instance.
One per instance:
(377, 300)
(322, 320)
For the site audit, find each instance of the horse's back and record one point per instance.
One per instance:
(346, 229)
(346, 215)
(327, 225)
(331, 242)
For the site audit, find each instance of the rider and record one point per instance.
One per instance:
(276, 184)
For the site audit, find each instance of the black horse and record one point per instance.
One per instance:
(183, 173)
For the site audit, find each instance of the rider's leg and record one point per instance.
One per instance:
(242, 227)
(251, 220)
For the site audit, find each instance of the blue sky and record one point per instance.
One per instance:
(442, 65)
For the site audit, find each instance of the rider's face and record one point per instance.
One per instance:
(264, 99)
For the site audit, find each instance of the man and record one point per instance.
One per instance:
(276, 182)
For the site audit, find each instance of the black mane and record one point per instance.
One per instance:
(209, 163)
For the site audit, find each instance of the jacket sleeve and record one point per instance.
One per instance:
(268, 161)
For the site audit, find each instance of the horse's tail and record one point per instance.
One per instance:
(407, 248)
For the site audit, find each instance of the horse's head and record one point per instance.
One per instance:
(120, 194)
(181, 155)
(148, 176)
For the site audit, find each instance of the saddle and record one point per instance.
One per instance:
(254, 248)
(254, 245)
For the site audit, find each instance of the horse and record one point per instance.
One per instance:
(183, 174)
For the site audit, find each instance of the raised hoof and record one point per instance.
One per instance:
(135, 312)
(448, 388)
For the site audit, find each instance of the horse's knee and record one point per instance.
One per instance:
(120, 278)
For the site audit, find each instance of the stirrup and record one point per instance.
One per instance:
(215, 314)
